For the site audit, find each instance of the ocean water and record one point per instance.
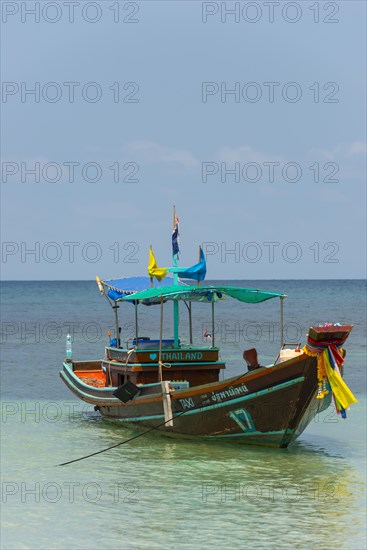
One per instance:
(156, 492)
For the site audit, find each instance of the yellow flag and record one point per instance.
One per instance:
(100, 285)
(153, 270)
(339, 387)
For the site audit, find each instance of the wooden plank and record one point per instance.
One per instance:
(189, 367)
(167, 405)
(330, 333)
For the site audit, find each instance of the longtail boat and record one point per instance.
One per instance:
(175, 388)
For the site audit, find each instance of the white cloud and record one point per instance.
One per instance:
(358, 148)
(151, 151)
(244, 154)
(342, 151)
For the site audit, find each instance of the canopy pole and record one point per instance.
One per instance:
(160, 343)
(281, 322)
(175, 322)
(136, 323)
(115, 307)
(166, 397)
(151, 278)
(198, 282)
(190, 322)
(213, 343)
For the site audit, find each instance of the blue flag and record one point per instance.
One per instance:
(197, 271)
(175, 236)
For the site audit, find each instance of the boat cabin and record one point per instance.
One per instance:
(193, 365)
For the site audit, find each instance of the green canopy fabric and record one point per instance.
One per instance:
(202, 294)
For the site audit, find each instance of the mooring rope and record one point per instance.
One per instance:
(147, 431)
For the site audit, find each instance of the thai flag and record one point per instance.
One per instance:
(175, 238)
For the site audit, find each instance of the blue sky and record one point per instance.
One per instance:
(172, 127)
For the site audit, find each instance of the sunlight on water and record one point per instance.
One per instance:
(158, 492)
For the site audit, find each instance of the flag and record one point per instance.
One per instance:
(153, 270)
(197, 271)
(100, 286)
(175, 238)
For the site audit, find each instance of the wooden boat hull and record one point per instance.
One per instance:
(269, 406)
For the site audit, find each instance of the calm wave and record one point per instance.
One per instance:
(156, 492)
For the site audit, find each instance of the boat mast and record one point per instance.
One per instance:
(175, 282)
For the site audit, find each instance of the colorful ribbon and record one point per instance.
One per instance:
(329, 361)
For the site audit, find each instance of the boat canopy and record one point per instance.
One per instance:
(203, 294)
(120, 288)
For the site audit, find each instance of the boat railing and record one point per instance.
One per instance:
(148, 343)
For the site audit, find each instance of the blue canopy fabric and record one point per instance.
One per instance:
(119, 288)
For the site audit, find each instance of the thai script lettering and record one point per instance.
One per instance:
(231, 392)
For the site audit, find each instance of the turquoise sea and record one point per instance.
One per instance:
(156, 492)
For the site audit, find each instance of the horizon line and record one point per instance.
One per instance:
(221, 279)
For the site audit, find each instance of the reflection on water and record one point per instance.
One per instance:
(158, 492)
